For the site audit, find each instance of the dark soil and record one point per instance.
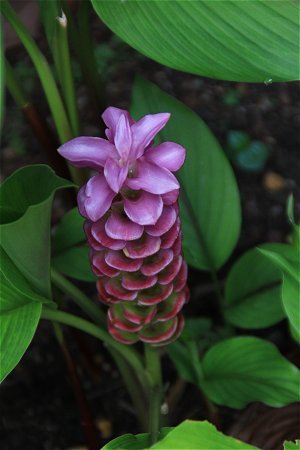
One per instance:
(39, 411)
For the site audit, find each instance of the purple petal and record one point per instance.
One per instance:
(139, 315)
(145, 209)
(141, 248)
(118, 260)
(123, 137)
(115, 174)
(156, 263)
(170, 308)
(95, 198)
(145, 130)
(170, 197)
(154, 295)
(114, 288)
(154, 334)
(91, 240)
(167, 275)
(99, 235)
(152, 178)
(169, 155)
(164, 223)
(87, 152)
(181, 278)
(111, 117)
(137, 282)
(118, 226)
(118, 320)
(168, 239)
(100, 267)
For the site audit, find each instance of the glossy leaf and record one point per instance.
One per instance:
(253, 292)
(189, 434)
(234, 40)
(25, 202)
(242, 370)
(210, 206)
(286, 258)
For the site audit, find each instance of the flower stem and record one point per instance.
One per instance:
(153, 367)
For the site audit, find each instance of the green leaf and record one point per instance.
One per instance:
(74, 262)
(286, 258)
(199, 435)
(234, 40)
(69, 231)
(25, 203)
(246, 369)
(70, 249)
(209, 233)
(187, 435)
(49, 11)
(292, 445)
(19, 316)
(253, 292)
(2, 78)
(134, 442)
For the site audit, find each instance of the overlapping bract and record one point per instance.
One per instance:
(133, 227)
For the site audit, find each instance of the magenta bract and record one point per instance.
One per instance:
(133, 227)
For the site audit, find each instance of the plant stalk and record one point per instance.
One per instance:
(153, 367)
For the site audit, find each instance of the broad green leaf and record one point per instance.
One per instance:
(25, 202)
(2, 76)
(292, 445)
(69, 231)
(74, 262)
(242, 370)
(286, 258)
(180, 355)
(187, 435)
(191, 434)
(253, 292)
(253, 41)
(19, 318)
(210, 205)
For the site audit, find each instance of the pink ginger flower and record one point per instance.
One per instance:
(132, 226)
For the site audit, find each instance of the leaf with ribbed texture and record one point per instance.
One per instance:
(210, 205)
(291, 445)
(134, 441)
(242, 370)
(25, 201)
(253, 292)
(228, 40)
(19, 315)
(286, 258)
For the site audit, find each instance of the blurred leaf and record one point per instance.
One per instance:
(286, 258)
(253, 158)
(134, 442)
(74, 262)
(242, 370)
(253, 292)
(196, 328)
(2, 78)
(234, 40)
(236, 142)
(49, 11)
(292, 445)
(180, 355)
(232, 97)
(69, 231)
(209, 233)
(25, 203)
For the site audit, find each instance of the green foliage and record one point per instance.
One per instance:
(286, 258)
(234, 40)
(2, 75)
(241, 370)
(246, 154)
(70, 249)
(210, 206)
(25, 202)
(253, 292)
(187, 435)
(291, 445)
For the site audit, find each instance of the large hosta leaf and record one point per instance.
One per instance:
(230, 40)
(210, 207)
(253, 292)
(241, 370)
